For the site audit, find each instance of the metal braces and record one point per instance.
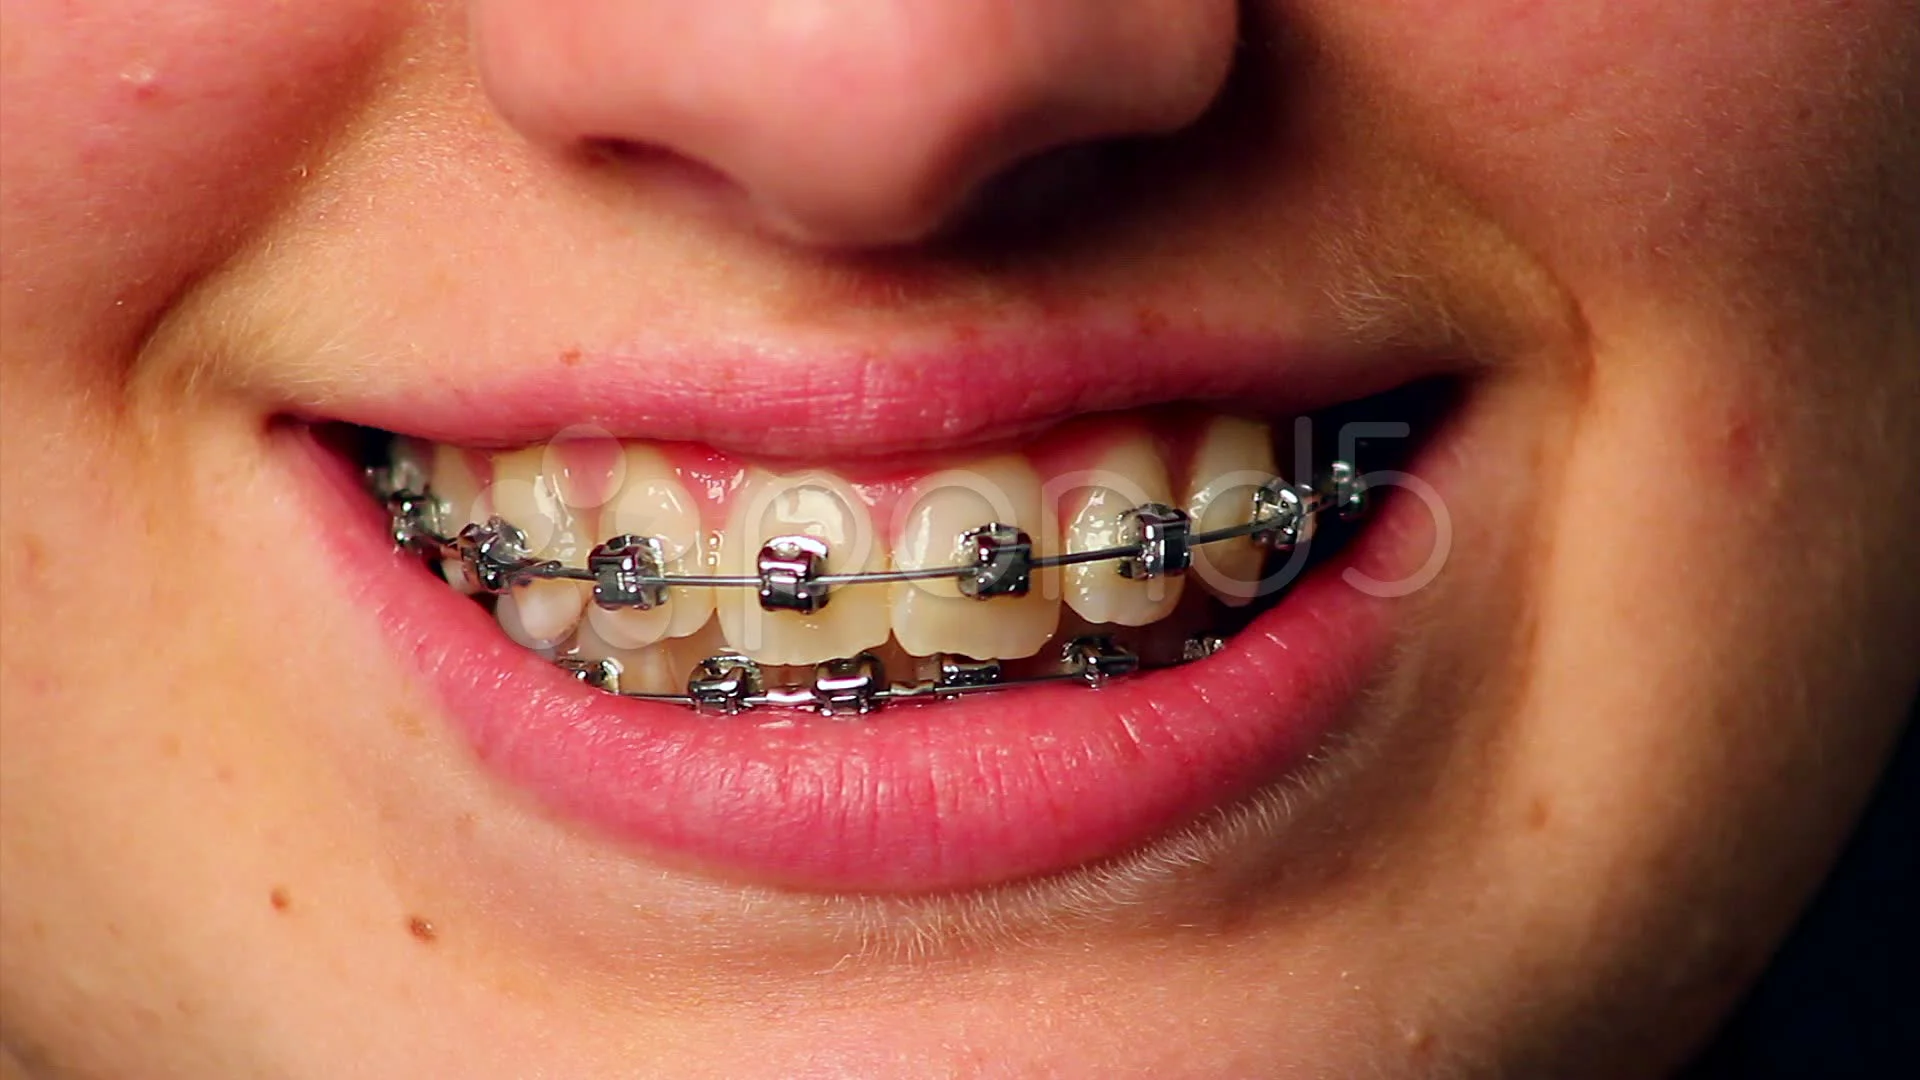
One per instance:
(994, 560)
(729, 684)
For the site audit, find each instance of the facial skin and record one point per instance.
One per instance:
(1620, 740)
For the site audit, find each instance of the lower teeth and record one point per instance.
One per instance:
(858, 685)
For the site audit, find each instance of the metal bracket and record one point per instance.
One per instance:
(790, 568)
(626, 573)
(1163, 536)
(999, 561)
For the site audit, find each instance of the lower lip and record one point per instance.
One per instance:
(957, 795)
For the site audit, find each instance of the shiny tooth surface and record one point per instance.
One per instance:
(652, 502)
(660, 668)
(588, 469)
(1233, 458)
(1126, 475)
(538, 614)
(932, 616)
(455, 484)
(523, 493)
(674, 659)
(453, 480)
(817, 504)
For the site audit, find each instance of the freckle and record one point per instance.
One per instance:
(408, 723)
(33, 554)
(280, 899)
(1538, 814)
(422, 930)
(570, 357)
(170, 746)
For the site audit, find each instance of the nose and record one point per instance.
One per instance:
(852, 122)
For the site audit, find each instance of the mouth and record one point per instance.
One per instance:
(944, 667)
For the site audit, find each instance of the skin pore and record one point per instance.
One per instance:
(1617, 742)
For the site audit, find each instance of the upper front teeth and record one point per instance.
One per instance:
(652, 503)
(985, 533)
(943, 614)
(825, 508)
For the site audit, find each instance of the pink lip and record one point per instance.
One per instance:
(839, 407)
(960, 795)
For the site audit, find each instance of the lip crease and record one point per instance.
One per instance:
(957, 795)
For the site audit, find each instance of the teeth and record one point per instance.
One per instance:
(653, 502)
(523, 493)
(815, 504)
(657, 669)
(587, 468)
(1128, 474)
(455, 484)
(931, 616)
(538, 614)
(1234, 457)
(588, 488)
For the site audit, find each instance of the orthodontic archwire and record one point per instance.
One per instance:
(993, 560)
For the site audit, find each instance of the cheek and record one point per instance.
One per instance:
(143, 138)
(1637, 144)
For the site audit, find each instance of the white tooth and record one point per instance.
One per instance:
(524, 494)
(658, 669)
(587, 466)
(823, 506)
(932, 616)
(673, 660)
(538, 614)
(653, 502)
(1233, 459)
(1128, 474)
(454, 483)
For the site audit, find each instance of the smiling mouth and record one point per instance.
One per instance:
(709, 652)
(789, 590)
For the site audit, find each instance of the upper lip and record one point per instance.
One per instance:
(857, 403)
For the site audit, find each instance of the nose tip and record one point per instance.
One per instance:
(852, 122)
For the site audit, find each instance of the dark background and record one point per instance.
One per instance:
(1842, 999)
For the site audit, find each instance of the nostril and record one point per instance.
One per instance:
(638, 156)
(623, 151)
(663, 169)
